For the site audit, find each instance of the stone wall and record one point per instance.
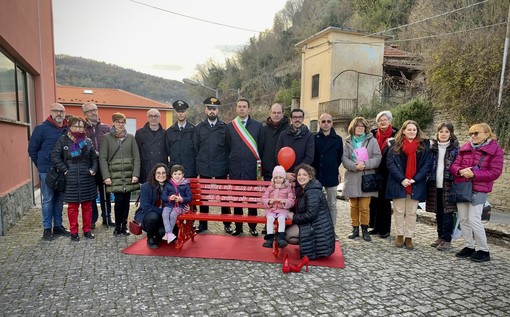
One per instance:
(15, 205)
(500, 196)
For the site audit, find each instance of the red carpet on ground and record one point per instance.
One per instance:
(209, 246)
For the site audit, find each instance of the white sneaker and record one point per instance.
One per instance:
(165, 237)
(171, 237)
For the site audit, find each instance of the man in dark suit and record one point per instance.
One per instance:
(245, 141)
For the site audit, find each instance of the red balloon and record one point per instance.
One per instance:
(286, 157)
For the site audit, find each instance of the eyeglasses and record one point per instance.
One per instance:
(326, 121)
(212, 108)
(58, 111)
(475, 133)
(90, 110)
(153, 116)
(120, 122)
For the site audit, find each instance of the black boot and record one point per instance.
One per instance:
(269, 241)
(355, 233)
(365, 234)
(123, 228)
(282, 240)
(108, 222)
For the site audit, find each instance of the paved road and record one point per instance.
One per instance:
(93, 278)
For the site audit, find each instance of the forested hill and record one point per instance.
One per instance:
(81, 72)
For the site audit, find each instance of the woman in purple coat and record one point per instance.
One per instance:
(480, 160)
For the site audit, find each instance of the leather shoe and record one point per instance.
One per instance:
(151, 243)
(228, 229)
(200, 229)
(384, 235)
(89, 235)
(61, 231)
(254, 232)
(237, 232)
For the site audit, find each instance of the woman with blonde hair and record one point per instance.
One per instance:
(480, 161)
(362, 155)
(409, 164)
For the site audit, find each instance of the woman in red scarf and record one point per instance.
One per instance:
(380, 207)
(408, 164)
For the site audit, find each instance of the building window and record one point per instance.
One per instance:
(315, 86)
(14, 91)
(314, 126)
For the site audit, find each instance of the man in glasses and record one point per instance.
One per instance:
(95, 130)
(40, 148)
(300, 139)
(151, 141)
(328, 156)
(209, 141)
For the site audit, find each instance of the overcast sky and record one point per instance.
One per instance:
(132, 35)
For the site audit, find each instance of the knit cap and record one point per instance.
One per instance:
(278, 171)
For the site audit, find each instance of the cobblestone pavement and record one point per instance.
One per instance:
(94, 278)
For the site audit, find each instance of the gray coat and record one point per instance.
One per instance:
(352, 186)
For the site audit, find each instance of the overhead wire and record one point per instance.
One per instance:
(195, 18)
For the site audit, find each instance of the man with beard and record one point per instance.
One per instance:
(209, 141)
(95, 130)
(275, 125)
(40, 149)
(300, 139)
(151, 141)
(179, 141)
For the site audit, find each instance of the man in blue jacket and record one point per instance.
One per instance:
(40, 148)
(329, 149)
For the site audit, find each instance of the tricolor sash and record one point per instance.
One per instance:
(249, 141)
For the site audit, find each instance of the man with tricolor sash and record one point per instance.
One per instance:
(245, 141)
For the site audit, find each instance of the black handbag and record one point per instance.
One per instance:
(371, 182)
(462, 192)
(56, 180)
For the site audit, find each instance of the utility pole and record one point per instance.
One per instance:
(505, 55)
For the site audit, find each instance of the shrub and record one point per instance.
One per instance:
(419, 110)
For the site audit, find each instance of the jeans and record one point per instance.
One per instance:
(471, 226)
(331, 197)
(444, 219)
(52, 204)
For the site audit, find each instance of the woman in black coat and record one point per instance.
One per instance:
(75, 155)
(312, 227)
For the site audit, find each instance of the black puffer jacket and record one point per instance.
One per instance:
(316, 233)
(80, 185)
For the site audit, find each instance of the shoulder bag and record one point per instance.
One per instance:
(462, 192)
(56, 180)
(371, 182)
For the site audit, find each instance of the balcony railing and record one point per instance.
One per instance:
(339, 108)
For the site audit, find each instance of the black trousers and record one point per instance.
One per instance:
(251, 212)
(380, 214)
(152, 223)
(121, 209)
(205, 209)
(104, 200)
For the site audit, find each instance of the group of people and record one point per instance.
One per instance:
(415, 169)
(98, 158)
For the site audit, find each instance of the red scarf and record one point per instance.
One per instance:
(383, 136)
(409, 148)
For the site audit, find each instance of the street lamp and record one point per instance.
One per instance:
(196, 83)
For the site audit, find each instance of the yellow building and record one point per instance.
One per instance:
(341, 70)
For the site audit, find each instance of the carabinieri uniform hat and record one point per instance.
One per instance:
(212, 101)
(180, 105)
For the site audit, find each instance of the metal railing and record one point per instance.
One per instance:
(339, 108)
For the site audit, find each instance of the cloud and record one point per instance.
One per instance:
(167, 67)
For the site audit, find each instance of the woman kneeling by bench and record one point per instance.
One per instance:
(149, 214)
(312, 227)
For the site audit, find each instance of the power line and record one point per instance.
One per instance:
(450, 33)
(194, 18)
(427, 19)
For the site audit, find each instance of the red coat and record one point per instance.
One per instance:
(489, 171)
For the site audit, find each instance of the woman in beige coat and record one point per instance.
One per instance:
(361, 156)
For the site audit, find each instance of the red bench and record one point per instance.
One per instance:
(223, 193)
